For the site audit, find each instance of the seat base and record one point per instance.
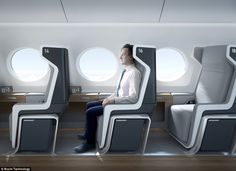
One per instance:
(218, 143)
(127, 133)
(222, 141)
(37, 133)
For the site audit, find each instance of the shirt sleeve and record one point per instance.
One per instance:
(111, 96)
(134, 86)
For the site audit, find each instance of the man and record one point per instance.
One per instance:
(127, 92)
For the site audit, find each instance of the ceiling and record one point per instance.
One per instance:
(117, 11)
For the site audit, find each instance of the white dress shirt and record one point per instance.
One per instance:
(128, 91)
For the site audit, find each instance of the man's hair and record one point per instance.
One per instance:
(130, 49)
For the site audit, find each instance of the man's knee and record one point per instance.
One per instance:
(88, 105)
(92, 104)
(89, 113)
(94, 112)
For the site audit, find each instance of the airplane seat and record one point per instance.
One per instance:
(125, 127)
(33, 127)
(215, 93)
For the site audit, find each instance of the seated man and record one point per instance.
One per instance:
(127, 92)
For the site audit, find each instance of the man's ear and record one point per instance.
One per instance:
(131, 58)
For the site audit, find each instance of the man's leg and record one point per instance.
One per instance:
(91, 128)
(91, 123)
(93, 103)
(88, 106)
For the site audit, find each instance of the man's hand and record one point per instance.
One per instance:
(107, 101)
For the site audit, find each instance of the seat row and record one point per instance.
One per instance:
(206, 125)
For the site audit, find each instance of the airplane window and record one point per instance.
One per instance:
(170, 64)
(97, 64)
(28, 66)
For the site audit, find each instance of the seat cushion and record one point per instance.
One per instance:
(180, 119)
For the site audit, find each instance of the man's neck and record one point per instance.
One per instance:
(126, 66)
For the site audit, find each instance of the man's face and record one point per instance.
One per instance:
(124, 57)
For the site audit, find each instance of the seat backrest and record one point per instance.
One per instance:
(59, 56)
(215, 77)
(142, 70)
(148, 56)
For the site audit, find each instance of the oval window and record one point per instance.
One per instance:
(170, 64)
(97, 64)
(27, 65)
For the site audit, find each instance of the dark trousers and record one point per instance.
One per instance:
(93, 110)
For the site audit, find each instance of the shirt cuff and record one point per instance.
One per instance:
(112, 99)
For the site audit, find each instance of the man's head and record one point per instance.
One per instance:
(126, 56)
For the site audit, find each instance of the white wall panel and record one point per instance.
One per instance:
(199, 11)
(31, 11)
(78, 37)
(113, 10)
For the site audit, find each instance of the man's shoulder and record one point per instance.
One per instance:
(136, 71)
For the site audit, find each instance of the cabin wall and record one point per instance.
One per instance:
(78, 37)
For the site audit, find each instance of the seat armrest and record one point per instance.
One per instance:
(104, 95)
(35, 98)
(182, 94)
(183, 98)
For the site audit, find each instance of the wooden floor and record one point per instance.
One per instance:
(120, 163)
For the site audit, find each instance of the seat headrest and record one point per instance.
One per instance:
(214, 56)
(215, 77)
